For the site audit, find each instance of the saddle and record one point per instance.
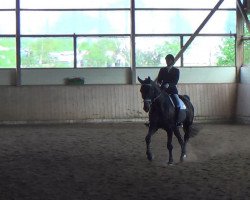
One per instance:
(182, 105)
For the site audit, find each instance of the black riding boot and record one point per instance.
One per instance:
(177, 112)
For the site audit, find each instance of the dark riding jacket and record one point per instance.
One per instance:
(169, 76)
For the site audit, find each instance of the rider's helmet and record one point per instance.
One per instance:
(169, 59)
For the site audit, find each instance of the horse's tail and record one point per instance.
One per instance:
(186, 96)
(191, 128)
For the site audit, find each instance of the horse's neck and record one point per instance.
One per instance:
(162, 107)
(157, 90)
(165, 101)
(157, 94)
(161, 97)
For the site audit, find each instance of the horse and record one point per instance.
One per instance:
(161, 111)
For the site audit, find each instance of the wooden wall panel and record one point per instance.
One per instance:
(211, 101)
(105, 102)
(243, 103)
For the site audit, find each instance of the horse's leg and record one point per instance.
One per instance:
(170, 146)
(181, 142)
(186, 129)
(151, 131)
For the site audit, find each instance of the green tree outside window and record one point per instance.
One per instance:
(7, 53)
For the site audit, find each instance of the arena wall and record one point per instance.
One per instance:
(243, 96)
(108, 96)
(105, 102)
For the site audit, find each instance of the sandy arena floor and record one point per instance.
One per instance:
(108, 161)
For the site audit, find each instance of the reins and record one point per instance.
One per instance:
(150, 101)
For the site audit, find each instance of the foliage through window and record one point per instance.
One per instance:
(7, 53)
(103, 52)
(47, 52)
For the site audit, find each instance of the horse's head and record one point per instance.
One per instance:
(148, 92)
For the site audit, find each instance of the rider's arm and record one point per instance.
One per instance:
(159, 79)
(175, 77)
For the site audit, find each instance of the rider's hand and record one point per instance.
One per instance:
(166, 85)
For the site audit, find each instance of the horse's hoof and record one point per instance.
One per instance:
(182, 158)
(171, 163)
(150, 156)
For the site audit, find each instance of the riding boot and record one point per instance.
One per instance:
(177, 112)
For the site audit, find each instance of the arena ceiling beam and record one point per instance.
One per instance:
(183, 49)
(244, 14)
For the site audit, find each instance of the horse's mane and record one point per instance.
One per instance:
(153, 83)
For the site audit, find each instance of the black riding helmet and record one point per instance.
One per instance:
(169, 59)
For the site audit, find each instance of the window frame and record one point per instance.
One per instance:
(132, 33)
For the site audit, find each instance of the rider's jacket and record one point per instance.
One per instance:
(171, 76)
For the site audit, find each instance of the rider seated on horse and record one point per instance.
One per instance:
(168, 78)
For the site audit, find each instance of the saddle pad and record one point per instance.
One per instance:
(183, 106)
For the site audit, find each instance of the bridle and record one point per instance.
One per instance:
(149, 100)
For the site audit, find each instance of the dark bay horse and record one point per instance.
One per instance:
(162, 115)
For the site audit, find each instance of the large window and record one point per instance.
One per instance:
(103, 52)
(97, 33)
(79, 33)
(183, 4)
(174, 22)
(246, 45)
(219, 51)
(7, 52)
(183, 22)
(151, 51)
(7, 31)
(78, 22)
(47, 52)
(74, 4)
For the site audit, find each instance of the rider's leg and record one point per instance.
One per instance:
(177, 107)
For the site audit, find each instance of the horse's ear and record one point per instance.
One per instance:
(141, 81)
(149, 78)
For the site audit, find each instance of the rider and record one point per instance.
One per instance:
(168, 78)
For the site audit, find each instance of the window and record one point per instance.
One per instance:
(247, 52)
(73, 4)
(47, 52)
(179, 19)
(246, 45)
(183, 4)
(7, 52)
(101, 29)
(219, 51)
(10, 4)
(7, 31)
(78, 22)
(103, 52)
(97, 33)
(151, 51)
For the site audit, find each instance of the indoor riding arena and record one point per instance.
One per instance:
(72, 119)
